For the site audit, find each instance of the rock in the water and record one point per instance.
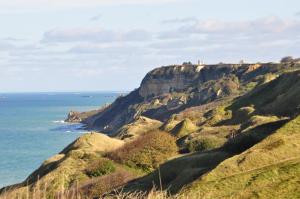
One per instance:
(73, 117)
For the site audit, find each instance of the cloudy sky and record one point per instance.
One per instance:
(109, 45)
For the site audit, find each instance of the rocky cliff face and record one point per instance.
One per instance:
(169, 79)
(170, 89)
(236, 138)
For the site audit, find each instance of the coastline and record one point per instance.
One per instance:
(178, 129)
(31, 130)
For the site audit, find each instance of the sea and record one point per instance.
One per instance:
(32, 128)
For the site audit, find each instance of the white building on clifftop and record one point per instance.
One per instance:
(201, 63)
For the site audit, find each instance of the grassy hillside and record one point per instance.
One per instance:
(279, 97)
(269, 169)
(232, 131)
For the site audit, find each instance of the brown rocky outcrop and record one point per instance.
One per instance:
(171, 89)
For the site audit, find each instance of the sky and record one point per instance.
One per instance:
(109, 45)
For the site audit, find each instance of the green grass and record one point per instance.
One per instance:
(146, 152)
(100, 167)
(184, 128)
(179, 171)
(269, 169)
(257, 120)
(217, 115)
(277, 181)
(219, 163)
(204, 143)
(278, 97)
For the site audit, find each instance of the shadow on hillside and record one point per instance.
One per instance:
(177, 173)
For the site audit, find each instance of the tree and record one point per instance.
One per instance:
(287, 59)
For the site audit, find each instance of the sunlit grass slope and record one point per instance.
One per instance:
(270, 169)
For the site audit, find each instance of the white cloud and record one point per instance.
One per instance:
(269, 36)
(268, 28)
(180, 20)
(95, 35)
(270, 24)
(75, 3)
(5, 45)
(262, 39)
(87, 52)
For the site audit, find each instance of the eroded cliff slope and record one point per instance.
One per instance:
(189, 130)
(171, 89)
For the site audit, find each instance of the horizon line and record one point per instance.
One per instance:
(69, 91)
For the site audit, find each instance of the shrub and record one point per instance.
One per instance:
(77, 178)
(147, 151)
(242, 114)
(96, 187)
(107, 183)
(217, 115)
(100, 167)
(205, 143)
(286, 59)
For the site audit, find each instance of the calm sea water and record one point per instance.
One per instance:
(31, 128)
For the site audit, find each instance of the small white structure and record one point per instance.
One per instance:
(200, 65)
(200, 62)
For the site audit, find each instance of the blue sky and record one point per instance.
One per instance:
(89, 45)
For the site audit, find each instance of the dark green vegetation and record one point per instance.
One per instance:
(205, 143)
(218, 131)
(279, 97)
(146, 152)
(100, 167)
(270, 169)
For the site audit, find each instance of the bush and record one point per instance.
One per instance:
(205, 143)
(107, 183)
(286, 59)
(217, 115)
(147, 151)
(100, 167)
(96, 187)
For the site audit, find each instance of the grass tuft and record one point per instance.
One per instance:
(147, 151)
(100, 167)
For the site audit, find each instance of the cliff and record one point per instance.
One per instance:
(171, 89)
(169, 79)
(214, 131)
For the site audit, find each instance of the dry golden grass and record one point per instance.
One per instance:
(77, 193)
(269, 169)
(94, 142)
(153, 194)
(139, 127)
(147, 151)
(279, 97)
(64, 169)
